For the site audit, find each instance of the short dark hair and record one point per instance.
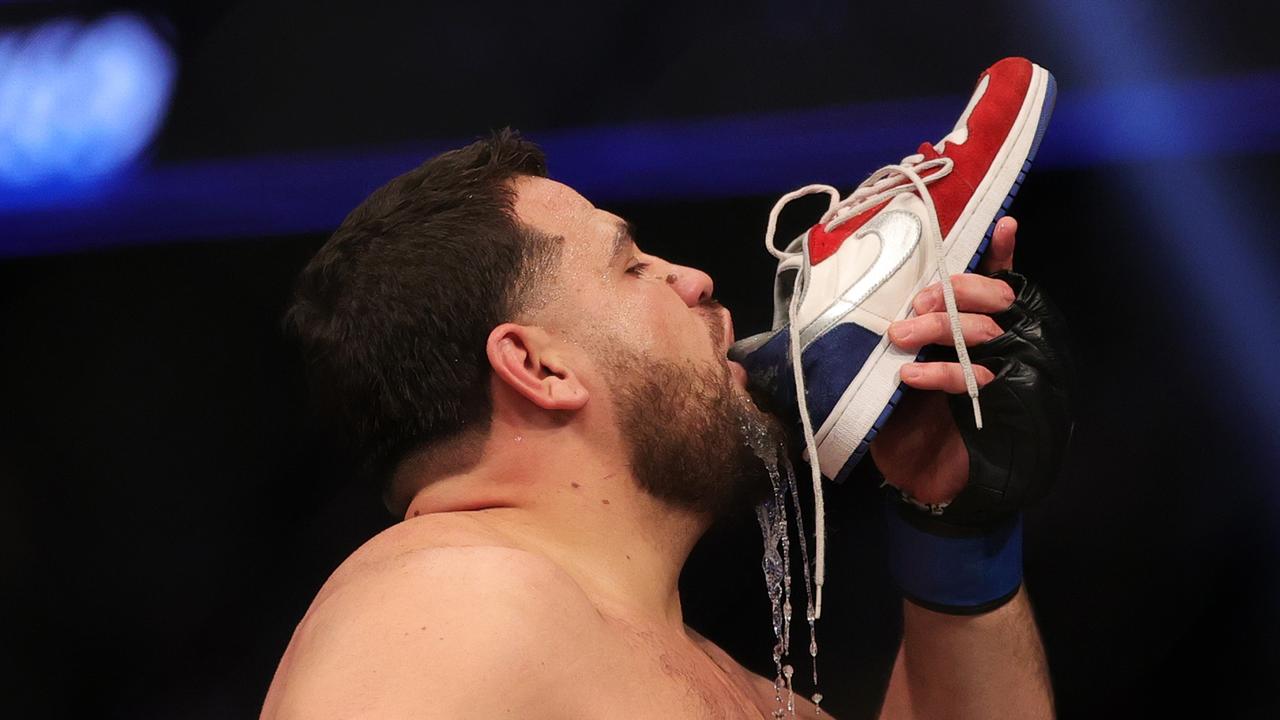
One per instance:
(392, 314)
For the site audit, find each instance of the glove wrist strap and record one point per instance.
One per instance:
(953, 569)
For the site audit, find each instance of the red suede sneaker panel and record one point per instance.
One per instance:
(823, 244)
(989, 126)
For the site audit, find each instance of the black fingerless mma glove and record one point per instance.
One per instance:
(966, 557)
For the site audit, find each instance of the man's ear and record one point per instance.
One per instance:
(526, 360)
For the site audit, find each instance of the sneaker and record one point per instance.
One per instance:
(841, 283)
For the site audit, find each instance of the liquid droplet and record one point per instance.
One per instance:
(810, 613)
(776, 562)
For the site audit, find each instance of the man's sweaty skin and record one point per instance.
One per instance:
(541, 581)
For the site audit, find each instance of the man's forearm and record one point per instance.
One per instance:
(976, 666)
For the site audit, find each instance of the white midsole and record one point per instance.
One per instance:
(878, 379)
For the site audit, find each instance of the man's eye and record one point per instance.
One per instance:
(638, 268)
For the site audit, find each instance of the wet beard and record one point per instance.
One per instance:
(687, 428)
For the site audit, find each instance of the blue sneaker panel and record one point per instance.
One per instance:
(830, 364)
(769, 371)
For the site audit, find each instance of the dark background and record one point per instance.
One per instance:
(167, 511)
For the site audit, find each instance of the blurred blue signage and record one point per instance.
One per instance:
(79, 101)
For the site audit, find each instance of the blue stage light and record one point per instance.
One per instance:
(1209, 247)
(79, 102)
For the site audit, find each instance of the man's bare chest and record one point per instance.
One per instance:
(649, 677)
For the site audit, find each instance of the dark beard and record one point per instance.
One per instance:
(688, 431)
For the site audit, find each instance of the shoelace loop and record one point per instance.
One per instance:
(883, 185)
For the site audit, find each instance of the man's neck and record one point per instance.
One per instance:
(585, 512)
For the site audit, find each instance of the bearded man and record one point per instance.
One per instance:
(552, 412)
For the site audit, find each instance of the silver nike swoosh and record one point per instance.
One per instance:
(899, 234)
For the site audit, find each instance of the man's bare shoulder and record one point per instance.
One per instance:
(416, 538)
(440, 618)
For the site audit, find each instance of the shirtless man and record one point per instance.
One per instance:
(551, 410)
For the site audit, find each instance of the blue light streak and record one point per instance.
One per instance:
(725, 157)
(1207, 247)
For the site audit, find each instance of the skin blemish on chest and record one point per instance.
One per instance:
(606, 502)
(575, 485)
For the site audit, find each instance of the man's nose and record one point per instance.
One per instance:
(692, 285)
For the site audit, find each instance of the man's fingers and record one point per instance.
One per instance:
(974, 293)
(935, 329)
(947, 377)
(1000, 255)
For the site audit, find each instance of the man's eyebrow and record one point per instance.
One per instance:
(622, 241)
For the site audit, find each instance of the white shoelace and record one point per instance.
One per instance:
(883, 185)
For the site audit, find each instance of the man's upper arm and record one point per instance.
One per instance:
(449, 632)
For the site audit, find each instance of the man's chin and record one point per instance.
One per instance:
(698, 440)
(763, 448)
(759, 406)
(738, 373)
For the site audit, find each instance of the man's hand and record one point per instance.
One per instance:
(920, 449)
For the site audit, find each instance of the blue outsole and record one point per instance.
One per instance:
(1051, 95)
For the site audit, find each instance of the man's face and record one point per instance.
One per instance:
(658, 344)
